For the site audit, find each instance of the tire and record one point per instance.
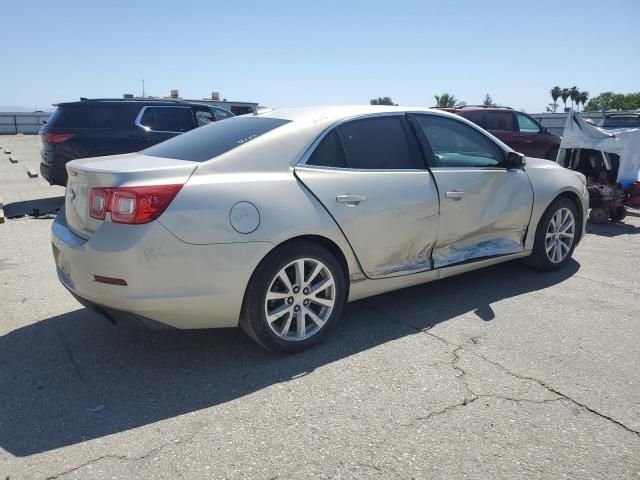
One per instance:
(546, 245)
(618, 214)
(599, 216)
(282, 332)
(552, 154)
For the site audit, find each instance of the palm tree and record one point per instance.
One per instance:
(582, 98)
(556, 92)
(574, 93)
(565, 95)
(445, 100)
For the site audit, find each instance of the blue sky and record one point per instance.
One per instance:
(287, 53)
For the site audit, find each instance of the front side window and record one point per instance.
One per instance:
(221, 114)
(167, 119)
(499, 120)
(380, 143)
(525, 124)
(204, 117)
(455, 144)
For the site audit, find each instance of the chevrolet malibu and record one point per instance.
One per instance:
(274, 221)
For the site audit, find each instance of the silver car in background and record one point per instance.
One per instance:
(273, 221)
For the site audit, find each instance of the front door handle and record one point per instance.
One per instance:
(455, 195)
(351, 200)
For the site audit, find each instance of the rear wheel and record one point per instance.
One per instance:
(618, 214)
(599, 215)
(294, 297)
(556, 236)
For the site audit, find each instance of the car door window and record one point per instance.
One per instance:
(204, 117)
(499, 120)
(455, 144)
(167, 119)
(380, 143)
(525, 124)
(221, 114)
(329, 152)
(476, 116)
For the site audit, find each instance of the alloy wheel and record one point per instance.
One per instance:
(300, 299)
(560, 235)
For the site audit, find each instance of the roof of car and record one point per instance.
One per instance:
(323, 114)
(148, 101)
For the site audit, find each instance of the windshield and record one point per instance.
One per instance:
(214, 139)
(621, 122)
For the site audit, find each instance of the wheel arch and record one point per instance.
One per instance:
(328, 244)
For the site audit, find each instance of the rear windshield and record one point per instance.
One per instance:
(621, 122)
(102, 115)
(208, 142)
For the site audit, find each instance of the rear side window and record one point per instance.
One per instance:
(455, 144)
(380, 143)
(214, 139)
(167, 119)
(100, 115)
(329, 153)
(500, 121)
(478, 117)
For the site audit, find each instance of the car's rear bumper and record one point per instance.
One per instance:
(168, 281)
(53, 174)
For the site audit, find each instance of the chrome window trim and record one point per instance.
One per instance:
(147, 129)
(307, 154)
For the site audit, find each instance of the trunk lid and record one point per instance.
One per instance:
(130, 170)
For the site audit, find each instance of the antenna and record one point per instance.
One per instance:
(143, 95)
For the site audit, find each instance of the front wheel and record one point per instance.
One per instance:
(294, 297)
(556, 236)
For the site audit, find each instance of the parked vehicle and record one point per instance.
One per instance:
(621, 120)
(611, 162)
(273, 221)
(93, 128)
(520, 131)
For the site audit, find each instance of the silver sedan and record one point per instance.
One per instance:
(274, 221)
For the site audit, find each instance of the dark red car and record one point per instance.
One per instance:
(517, 129)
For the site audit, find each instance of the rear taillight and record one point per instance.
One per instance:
(131, 204)
(57, 137)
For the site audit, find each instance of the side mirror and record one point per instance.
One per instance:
(544, 130)
(515, 161)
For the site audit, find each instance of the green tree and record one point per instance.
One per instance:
(382, 101)
(555, 92)
(582, 98)
(614, 101)
(488, 101)
(564, 94)
(446, 100)
(573, 93)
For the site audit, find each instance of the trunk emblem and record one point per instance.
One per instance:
(73, 194)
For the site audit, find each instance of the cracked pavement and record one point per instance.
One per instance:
(499, 373)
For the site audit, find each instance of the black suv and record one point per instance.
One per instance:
(94, 128)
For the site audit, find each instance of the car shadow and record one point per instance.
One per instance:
(35, 208)
(75, 377)
(612, 229)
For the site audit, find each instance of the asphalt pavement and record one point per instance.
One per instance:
(501, 373)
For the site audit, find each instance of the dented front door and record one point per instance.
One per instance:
(484, 212)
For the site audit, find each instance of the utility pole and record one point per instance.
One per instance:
(143, 95)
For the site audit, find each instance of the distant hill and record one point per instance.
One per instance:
(15, 108)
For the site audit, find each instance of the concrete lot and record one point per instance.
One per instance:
(24, 195)
(500, 373)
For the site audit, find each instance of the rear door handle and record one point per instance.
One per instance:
(351, 200)
(455, 195)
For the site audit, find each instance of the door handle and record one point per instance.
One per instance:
(455, 195)
(351, 200)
